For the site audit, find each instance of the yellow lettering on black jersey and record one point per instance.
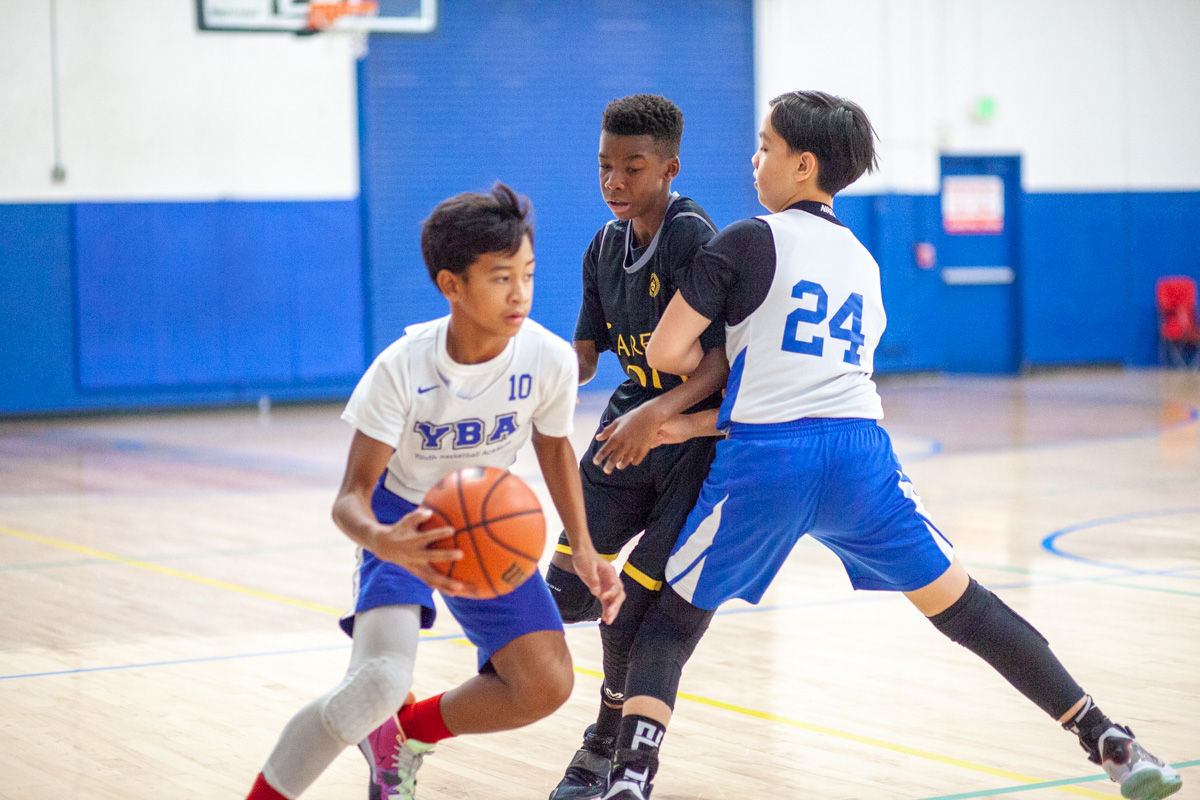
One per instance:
(637, 372)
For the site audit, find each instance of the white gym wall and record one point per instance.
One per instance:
(153, 109)
(1096, 95)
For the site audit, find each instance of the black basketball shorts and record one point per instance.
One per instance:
(655, 496)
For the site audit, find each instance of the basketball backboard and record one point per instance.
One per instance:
(394, 16)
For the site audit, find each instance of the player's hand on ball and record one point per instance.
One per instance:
(602, 580)
(628, 438)
(403, 544)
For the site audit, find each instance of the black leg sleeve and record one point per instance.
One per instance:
(618, 638)
(982, 623)
(668, 635)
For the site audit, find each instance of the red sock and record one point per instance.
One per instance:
(263, 790)
(423, 721)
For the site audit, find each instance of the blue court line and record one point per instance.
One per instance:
(1050, 543)
(933, 447)
(869, 597)
(200, 456)
(872, 597)
(228, 552)
(204, 659)
(1028, 787)
(1193, 416)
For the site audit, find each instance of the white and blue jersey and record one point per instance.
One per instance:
(803, 310)
(801, 301)
(442, 416)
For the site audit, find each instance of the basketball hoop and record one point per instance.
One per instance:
(322, 16)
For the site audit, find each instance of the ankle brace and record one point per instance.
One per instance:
(608, 720)
(1089, 724)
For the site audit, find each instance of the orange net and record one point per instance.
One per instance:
(323, 15)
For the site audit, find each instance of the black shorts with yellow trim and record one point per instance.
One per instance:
(653, 498)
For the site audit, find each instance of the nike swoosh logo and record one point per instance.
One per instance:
(426, 389)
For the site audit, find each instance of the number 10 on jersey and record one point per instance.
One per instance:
(850, 311)
(519, 387)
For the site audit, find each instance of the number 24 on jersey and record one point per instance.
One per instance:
(846, 323)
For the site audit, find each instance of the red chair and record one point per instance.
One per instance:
(1175, 296)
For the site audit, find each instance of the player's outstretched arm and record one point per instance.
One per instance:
(674, 346)
(629, 437)
(400, 543)
(556, 457)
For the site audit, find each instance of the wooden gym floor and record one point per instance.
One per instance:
(169, 585)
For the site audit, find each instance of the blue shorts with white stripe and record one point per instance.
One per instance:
(837, 480)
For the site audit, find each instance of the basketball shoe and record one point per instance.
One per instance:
(587, 774)
(394, 760)
(1140, 775)
(631, 775)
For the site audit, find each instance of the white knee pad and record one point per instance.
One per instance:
(365, 699)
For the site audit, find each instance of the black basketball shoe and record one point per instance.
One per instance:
(631, 775)
(587, 774)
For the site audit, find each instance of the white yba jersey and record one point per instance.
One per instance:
(442, 416)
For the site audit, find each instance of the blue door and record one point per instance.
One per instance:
(979, 259)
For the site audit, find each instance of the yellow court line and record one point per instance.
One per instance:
(177, 573)
(867, 740)
(174, 573)
(750, 712)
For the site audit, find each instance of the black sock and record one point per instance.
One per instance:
(1089, 724)
(636, 758)
(608, 721)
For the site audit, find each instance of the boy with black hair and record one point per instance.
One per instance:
(441, 398)
(800, 299)
(630, 486)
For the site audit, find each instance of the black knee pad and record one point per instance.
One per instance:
(618, 638)
(669, 633)
(985, 625)
(575, 601)
(620, 634)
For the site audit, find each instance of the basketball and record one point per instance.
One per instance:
(498, 524)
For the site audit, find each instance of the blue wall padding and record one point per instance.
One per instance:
(1075, 284)
(889, 226)
(178, 294)
(502, 92)
(1087, 286)
(1164, 235)
(107, 306)
(37, 333)
(1091, 261)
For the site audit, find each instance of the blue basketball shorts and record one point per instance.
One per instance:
(837, 480)
(488, 624)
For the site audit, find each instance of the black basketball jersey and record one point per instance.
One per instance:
(626, 289)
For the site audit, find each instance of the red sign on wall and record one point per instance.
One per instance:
(973, 204)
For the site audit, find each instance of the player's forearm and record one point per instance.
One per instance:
(351, 513)
(709, 376)
(703, 423)
(556, 457)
